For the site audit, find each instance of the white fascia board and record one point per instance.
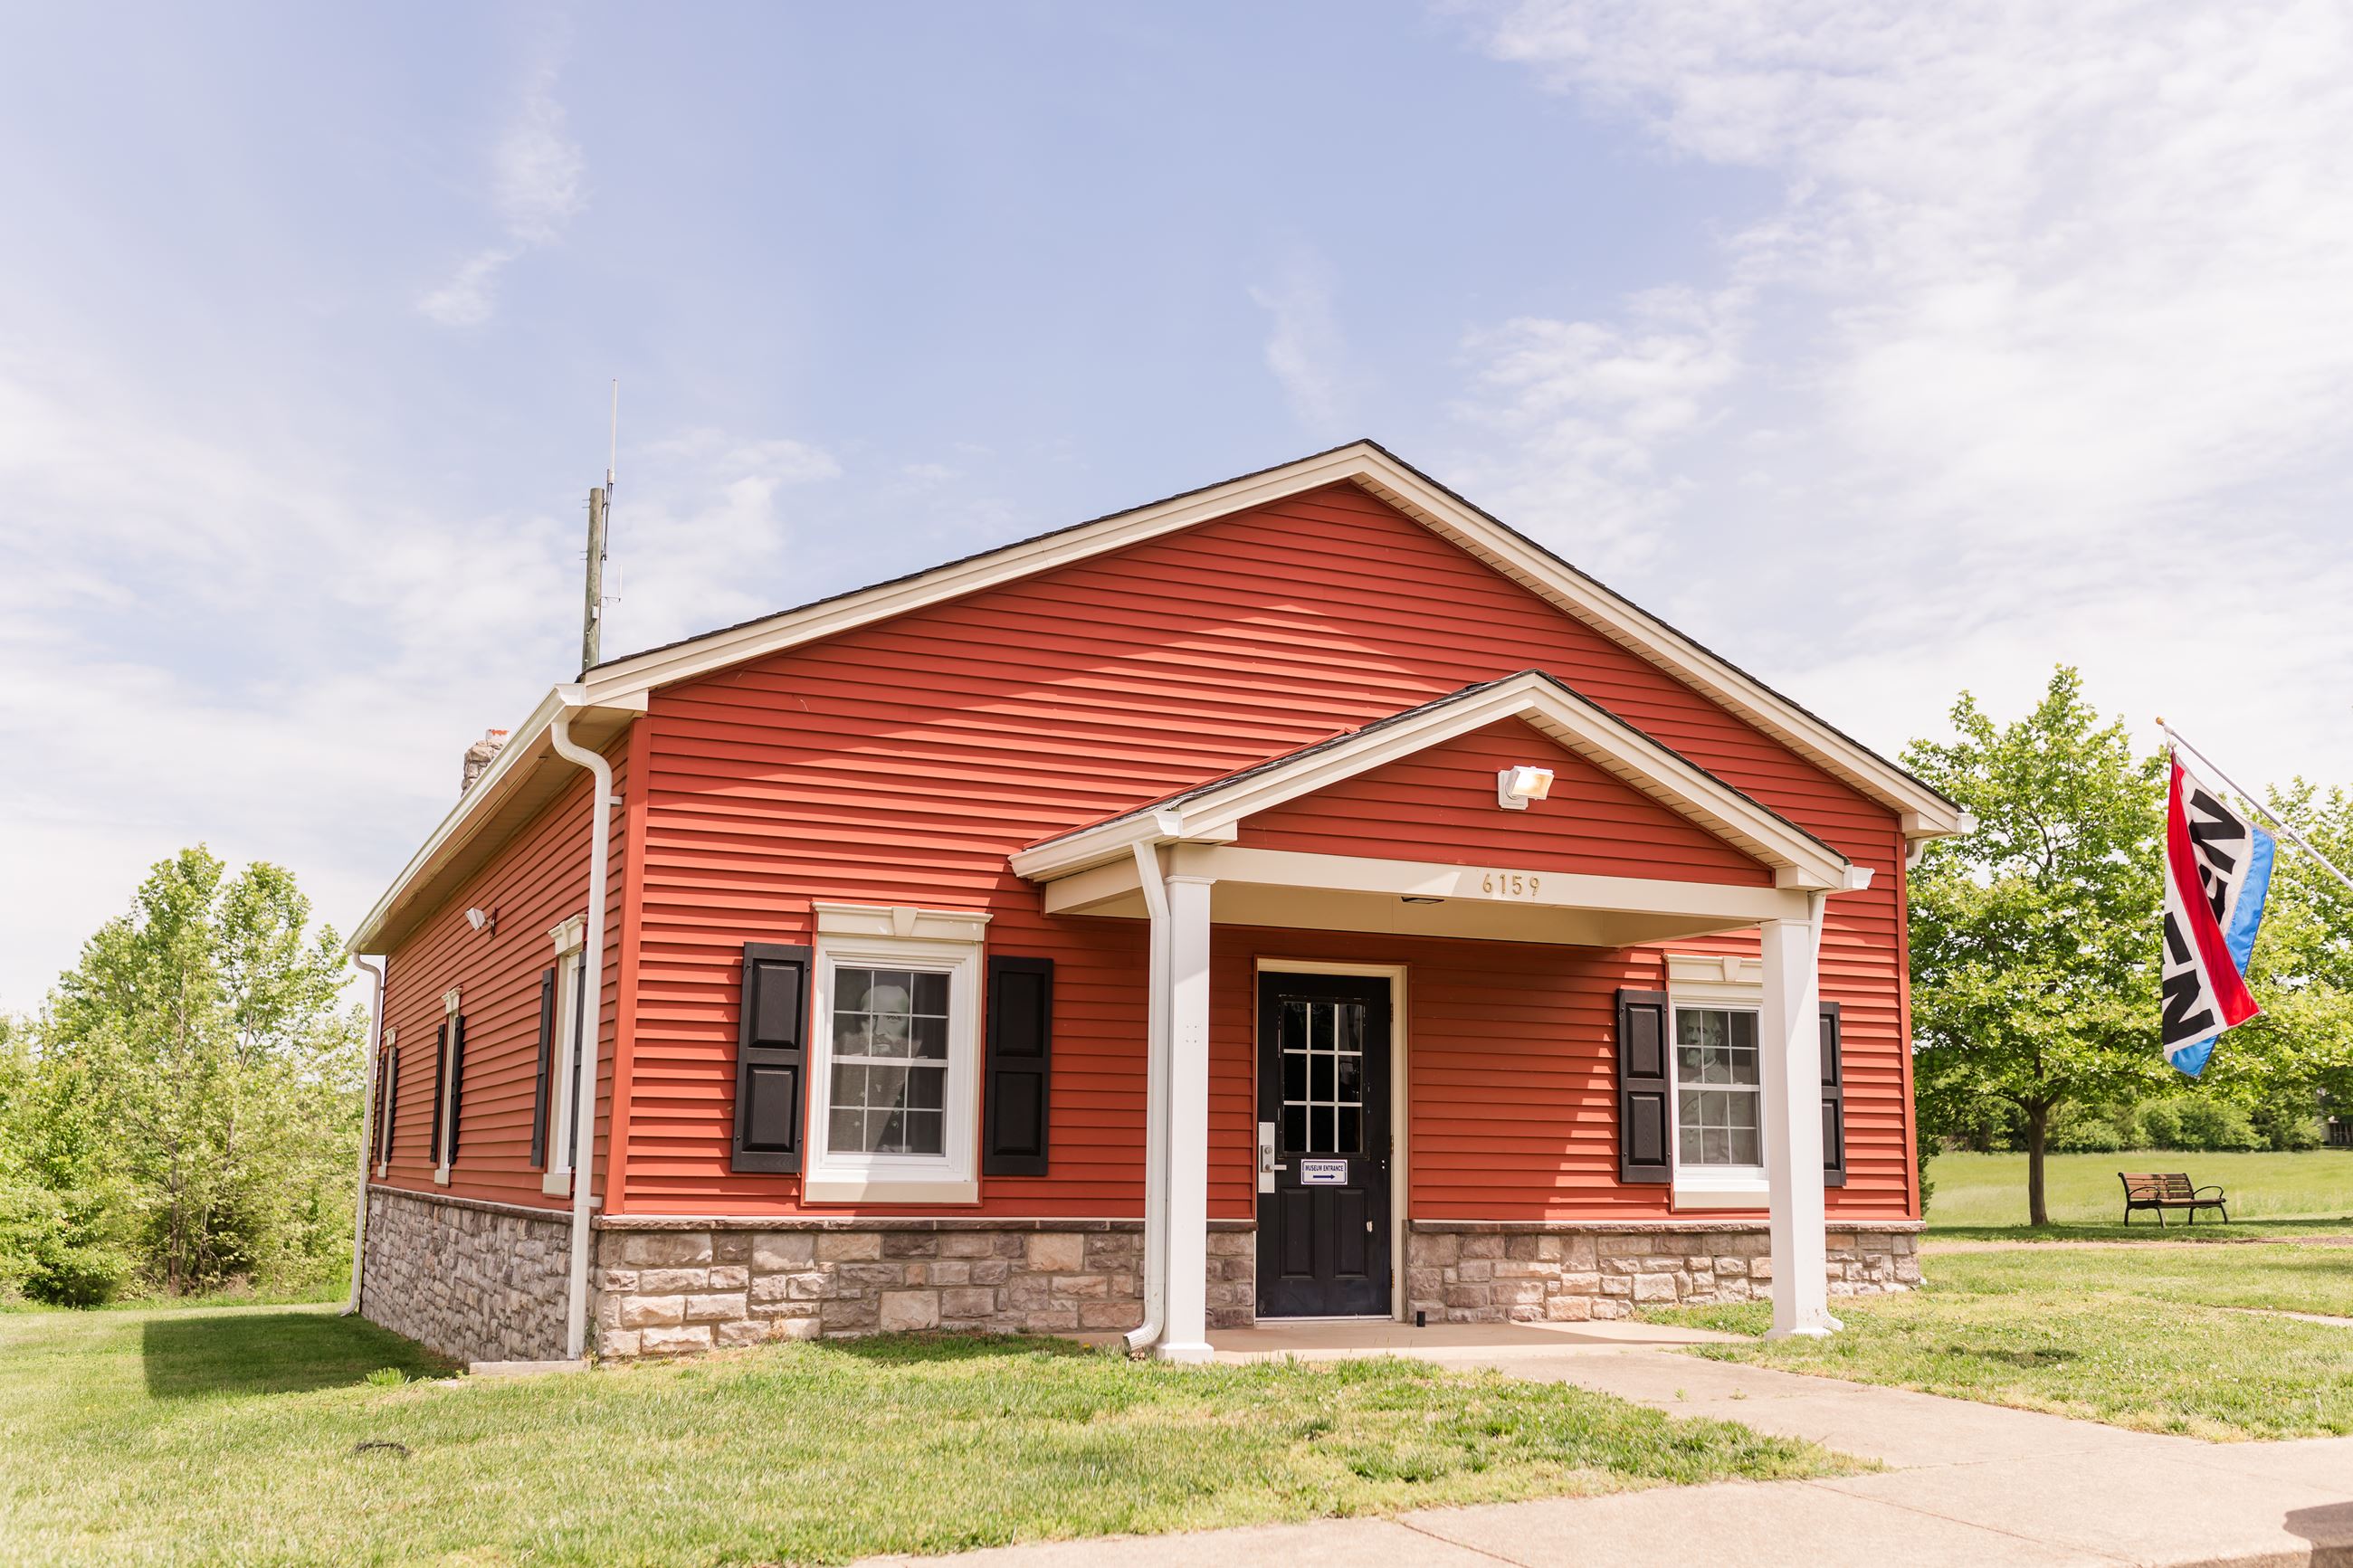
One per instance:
(523, 747)
(1798, 859)
(1372, 470)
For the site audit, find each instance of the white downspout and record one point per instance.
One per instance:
(1155, 1107)
(592, 986)
(368, 1098)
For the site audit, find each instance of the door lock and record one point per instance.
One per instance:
(1266, 1165)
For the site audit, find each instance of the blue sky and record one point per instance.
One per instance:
(1887, 349)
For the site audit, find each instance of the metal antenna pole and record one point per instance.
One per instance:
(592, 618)
(592, 622)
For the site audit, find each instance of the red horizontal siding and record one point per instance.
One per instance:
(1439, 804)
(902, 763)
(535, 882)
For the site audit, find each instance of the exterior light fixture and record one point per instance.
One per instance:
(1514, 788)
(482, 920)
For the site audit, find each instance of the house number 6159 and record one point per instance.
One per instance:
(1508, 884)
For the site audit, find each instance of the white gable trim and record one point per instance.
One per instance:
(1213, 814)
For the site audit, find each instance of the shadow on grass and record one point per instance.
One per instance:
(196, 1355)
(919, 1348)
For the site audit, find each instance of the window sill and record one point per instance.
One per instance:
(868, 1189)
(556, 1183)
(441, 1176)
(1742, 1191)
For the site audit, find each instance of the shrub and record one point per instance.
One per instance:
(2216, 1126)
(2086, 1135)
(2289, 1128)
(2160, 1125)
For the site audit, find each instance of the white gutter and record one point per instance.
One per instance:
(1156, 1106)
(592, 985)
(368, 1098)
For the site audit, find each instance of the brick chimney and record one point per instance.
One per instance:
(479, 755)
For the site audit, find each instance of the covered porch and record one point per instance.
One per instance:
(1311, 844)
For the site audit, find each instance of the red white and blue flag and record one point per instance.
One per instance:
(2218, 867)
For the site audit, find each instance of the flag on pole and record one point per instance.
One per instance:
(2218, 867)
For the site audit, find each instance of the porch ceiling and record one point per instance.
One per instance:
(1287, 890)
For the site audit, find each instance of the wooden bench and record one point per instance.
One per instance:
(2162, 1193)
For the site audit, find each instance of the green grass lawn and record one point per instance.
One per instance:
(239, 1435)
(1983, 1192)
(2137, 1336)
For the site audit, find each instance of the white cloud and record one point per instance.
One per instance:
(2074, 356)
(1304, 348)
(1584, 411)
(237, 644)
(538, 185)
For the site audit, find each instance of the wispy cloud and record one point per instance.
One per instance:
(2060, 354)
(538, 185)
(1304, 348)
(1582, 414)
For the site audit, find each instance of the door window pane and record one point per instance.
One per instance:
(1322, 1046)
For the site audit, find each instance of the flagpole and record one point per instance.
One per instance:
(2230, 784)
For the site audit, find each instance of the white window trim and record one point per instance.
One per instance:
(568, 937)
(441, 1098)
(1718, 982)
(881, 936)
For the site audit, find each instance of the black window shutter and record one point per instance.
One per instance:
(546, 1062)
(1020, 1066)
(457, 1081)
(1644, 1083)
(440, 1082)
(770, 1057)
(390, 1106)
(391, 1109)
(1833, 1101)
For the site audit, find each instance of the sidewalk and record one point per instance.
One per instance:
(1966, 1483)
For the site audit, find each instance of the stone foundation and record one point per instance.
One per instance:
(1494, 1272)
(471, 1281)
(669, 1287)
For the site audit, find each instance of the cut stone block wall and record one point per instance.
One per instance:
(1480, 1272)
(474, 1281)
(671, 1287)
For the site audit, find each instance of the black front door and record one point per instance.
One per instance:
(1324, 1145)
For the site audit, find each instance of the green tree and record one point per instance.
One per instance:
(2301, 972)
(203, 1031)
(2034, 938)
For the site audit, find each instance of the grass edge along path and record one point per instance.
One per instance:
(2159, 1340)
(230, 1435)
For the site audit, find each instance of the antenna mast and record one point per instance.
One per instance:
(600, 500)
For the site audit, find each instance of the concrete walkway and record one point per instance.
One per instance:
(1964, 1483)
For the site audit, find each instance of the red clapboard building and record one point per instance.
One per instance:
(1300, 897)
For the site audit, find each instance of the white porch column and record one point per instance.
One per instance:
(1186, 1335)
(1790, 1033)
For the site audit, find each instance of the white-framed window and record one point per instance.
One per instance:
(894, 1070)
(570, 939)
(1718, 1104)
(388, 1094)
(1719, 1091)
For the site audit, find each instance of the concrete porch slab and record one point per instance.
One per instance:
(1339, 1338)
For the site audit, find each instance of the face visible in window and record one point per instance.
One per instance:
(890, 1062)
(1717, 1092)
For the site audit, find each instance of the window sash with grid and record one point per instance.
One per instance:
(1323, 1076)
(889, 1061)
(1719, 1093)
